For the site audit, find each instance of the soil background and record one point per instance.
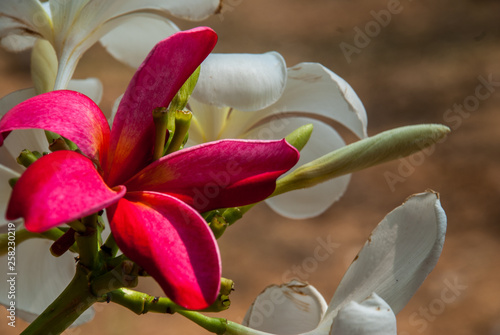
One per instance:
(431, 56)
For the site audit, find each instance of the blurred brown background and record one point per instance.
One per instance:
(429, 57)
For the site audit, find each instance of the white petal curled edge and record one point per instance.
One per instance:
(373, 316)
(131, 41)
(314, 91)
(402, 250)
(247, 82)
(40, 279)
(290, 308)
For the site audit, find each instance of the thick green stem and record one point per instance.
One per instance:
(88, 243)
(70, 304)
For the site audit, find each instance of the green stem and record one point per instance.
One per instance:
(88, 243)
(110, 248)
(70, 304)
(23, 235)
(213, 325)
(141, 303)
(219, 325)
(160, 118)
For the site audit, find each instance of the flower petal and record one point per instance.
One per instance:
(67, 113)
(5, 190)
(309, 202)
(154, 85)
(172, 243)
(80, 24)
(21, 22)
(31, 139)
(91, 87)
(242, 81)
(58, 188)
(286, 309)
(131, 41)
(219, 174)
(314, 91)
(195, 10)
(207, 123)
(42, 277)
(401, 252)
(373, 316)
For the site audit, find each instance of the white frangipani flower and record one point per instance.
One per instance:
(257, 96)
(400, 253)
(72, 27)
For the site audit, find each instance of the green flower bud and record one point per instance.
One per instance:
(381, 148)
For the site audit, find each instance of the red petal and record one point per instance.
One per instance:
(58, 188)
(67, 113)
(172, 243)
(154, 85)
(219, 174)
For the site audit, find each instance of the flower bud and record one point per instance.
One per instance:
(381, 148)
(43, 66)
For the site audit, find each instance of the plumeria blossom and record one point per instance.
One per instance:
(400, 253)
(153, 206)
(72, 27)
(257, 96)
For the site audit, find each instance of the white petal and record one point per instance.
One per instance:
(91, 87)
(286, 309)
(40, 278)
(21, 22)
(14, 98)
(79, 24)
(5, 189)
(372, 316)
(114, 109)
(187, 9)
(316, 91)
(310, 202)
(131, 41)
(207, 123)
(401, 252)
(242, 81)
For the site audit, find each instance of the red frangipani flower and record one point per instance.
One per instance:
(153, 206)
